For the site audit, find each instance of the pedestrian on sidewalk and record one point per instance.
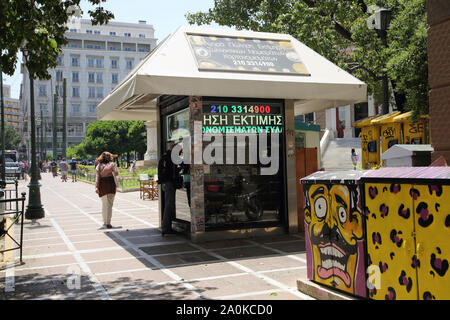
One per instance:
(167, 175)
(73, 169)
(354, 156)
(64, 169)
(54, 166)
(105, 185)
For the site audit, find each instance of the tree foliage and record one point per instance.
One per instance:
(12, 137)
(37, 28)
(338, 31)
(117, 137)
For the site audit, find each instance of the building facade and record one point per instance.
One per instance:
(94, 61)
(13, 111)
(439, 76)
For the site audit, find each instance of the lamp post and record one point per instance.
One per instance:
(379, 22)
(2, 173)
(35, 209)
(55, 124)
(64, 117)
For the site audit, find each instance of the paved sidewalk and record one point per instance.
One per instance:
(135, 262)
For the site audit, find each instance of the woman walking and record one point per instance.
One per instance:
(105, 185)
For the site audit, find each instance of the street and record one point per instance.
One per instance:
(67, 257)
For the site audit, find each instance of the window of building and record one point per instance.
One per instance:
(75, 108)
(75, 92)
(127, 49)
(96, 31)
(91, 77)
(112, 33)
(114, 63)
(89, 46)
(309, 118)
(43, 107)
(73, 30)
(113, 48)
(129, 64)
(90, 62)
(89, 31)
(42, 91)
(59, 61)
(99, 63)
(141, 35)
(75, 77)
(126, 34)
(91, 92)
(92, 108)
(99, 92)
(99, 77)
(60, 90)
(115, 78)
(75, 62)
(59, 76)
(98, 47)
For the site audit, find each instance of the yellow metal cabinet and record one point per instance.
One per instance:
(390, 131)
(408, 239)
(432, 225)
(370, 142)
(413, 133)
(390, 241)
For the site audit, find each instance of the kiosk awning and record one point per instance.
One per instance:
(196, 61)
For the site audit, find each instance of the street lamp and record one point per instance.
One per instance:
(34, 210)
(379, 22)
(2, 173)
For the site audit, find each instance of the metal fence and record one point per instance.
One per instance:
(124, 182)
(11, 214)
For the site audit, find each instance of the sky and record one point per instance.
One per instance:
(164, 15)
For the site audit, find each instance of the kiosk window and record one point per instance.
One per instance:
(177, 125)
(237, 189)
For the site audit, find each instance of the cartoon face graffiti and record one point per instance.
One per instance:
(335, 227)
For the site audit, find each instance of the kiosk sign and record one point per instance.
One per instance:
(214, 53)
(242, 118)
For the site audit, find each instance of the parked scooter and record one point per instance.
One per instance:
(240, 196)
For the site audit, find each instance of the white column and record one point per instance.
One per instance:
(371, 106)
(349, 118)
(152, 141)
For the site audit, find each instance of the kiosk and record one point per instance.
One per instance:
(229, 99)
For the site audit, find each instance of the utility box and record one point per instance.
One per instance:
(370, 142)
(334, 231)
(408, 155)
(413, 132)
(407, 216)
(390, 132)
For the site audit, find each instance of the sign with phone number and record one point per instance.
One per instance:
(233, 119)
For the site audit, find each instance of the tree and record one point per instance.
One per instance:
(12, 138)
(338, 31)
(137, 136)
(37, 28)
(117, 137)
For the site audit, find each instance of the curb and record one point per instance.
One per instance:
(320, 292)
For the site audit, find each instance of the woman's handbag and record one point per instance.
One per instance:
(116, 181)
